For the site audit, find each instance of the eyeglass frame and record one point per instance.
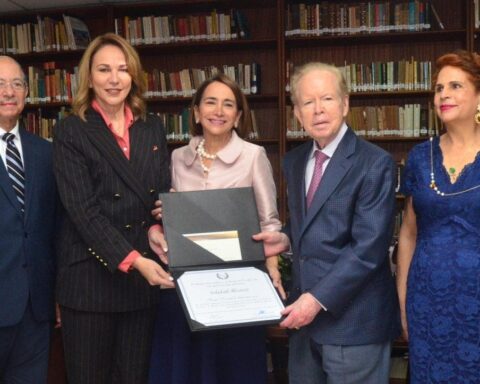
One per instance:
(16, 87)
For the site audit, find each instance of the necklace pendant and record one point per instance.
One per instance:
(433, 185)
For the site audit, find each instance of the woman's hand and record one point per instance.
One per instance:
(157, 211)
(157, 243)
(272, 267)
(153, 272)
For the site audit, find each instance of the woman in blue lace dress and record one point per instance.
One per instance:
(439, 247)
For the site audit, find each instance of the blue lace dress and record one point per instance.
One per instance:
(443, 289)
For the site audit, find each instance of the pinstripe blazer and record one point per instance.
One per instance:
(108, 200)
(340, 246)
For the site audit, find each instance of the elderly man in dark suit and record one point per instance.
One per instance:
(27, 225)
(341, 201)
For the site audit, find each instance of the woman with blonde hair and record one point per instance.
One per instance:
(110, 163)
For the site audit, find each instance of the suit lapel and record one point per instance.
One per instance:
(297, 188)
(336, 170)
(140, 151)
(101, 137)
(30, 165)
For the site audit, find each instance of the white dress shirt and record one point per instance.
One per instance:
(3, 144)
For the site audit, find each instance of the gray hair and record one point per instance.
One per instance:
(316, 66)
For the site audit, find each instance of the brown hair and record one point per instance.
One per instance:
(316, 66)
(85, 95)
(468, 62)
(245, 121)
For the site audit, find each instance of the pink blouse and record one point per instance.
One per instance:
(238, 164)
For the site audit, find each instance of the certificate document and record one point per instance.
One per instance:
(229, 296)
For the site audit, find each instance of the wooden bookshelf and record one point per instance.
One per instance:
(268, 44)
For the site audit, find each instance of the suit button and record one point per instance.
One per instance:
(152, 191)
(116, 196)
(25, 234)
(128, 227)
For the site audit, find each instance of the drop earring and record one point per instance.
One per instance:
(477, 115)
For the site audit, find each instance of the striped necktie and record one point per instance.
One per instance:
(15, 169)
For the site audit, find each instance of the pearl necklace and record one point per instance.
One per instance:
(204, 155)
(433, 184)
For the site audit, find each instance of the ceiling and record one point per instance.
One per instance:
(24, 5)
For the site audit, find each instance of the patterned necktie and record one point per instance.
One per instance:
(320, 158)
(15, 169)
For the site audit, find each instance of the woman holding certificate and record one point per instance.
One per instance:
(216, 157)
(110, 161)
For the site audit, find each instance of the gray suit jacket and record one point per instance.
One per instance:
(340, 246)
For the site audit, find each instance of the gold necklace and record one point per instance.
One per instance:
(433, 184)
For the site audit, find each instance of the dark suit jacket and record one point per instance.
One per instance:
(340, 247)
(27, 267)
(108, 200)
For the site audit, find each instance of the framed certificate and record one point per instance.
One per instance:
(218, 267)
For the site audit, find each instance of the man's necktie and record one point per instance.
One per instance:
(15, 168)
(320, 158)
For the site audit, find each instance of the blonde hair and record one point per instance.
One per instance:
(85, 94)
(316, 66)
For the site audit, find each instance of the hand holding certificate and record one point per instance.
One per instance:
(217, 265)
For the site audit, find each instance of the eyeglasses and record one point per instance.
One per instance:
(17, 85)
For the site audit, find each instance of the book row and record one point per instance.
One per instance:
(177, 125)
(36, 123)
(403, 75)
(50, 84)
(328, 17)
(409, 120)
(185, 82)
(170, 29)
(46, 34)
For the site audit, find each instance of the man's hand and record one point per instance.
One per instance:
(301, 312)
(158, 244)
(153, 272)
(272, 267)
(274, 242)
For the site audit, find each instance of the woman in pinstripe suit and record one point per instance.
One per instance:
(110, 161)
